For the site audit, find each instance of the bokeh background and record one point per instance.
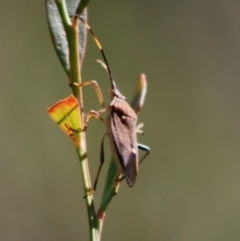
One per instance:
(189, 187)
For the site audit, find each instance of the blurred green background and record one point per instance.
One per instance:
(188, 188)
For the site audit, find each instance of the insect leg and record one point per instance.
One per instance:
(91, 114)
(138, 129)
(96, 87)
(102, 159)
(101, 63)
(143, 148)
(117, 183)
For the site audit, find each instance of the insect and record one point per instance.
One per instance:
(121, 126)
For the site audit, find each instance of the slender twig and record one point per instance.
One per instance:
(71, 29)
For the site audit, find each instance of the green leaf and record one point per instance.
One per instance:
(57, 27)
(66, 114)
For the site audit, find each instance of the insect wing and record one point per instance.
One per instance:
(123, 125)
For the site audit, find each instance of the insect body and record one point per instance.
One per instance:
(121, 125)
(121, 128)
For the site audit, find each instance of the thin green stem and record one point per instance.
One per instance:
(71, 29)
(92, 218)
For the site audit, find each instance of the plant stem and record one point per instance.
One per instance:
(71, 29)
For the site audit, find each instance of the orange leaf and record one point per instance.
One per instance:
(66, 114)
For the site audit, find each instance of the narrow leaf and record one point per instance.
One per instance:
(57, 30)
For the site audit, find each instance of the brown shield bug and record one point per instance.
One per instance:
(121, 125)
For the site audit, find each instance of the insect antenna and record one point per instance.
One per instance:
(113, 85)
